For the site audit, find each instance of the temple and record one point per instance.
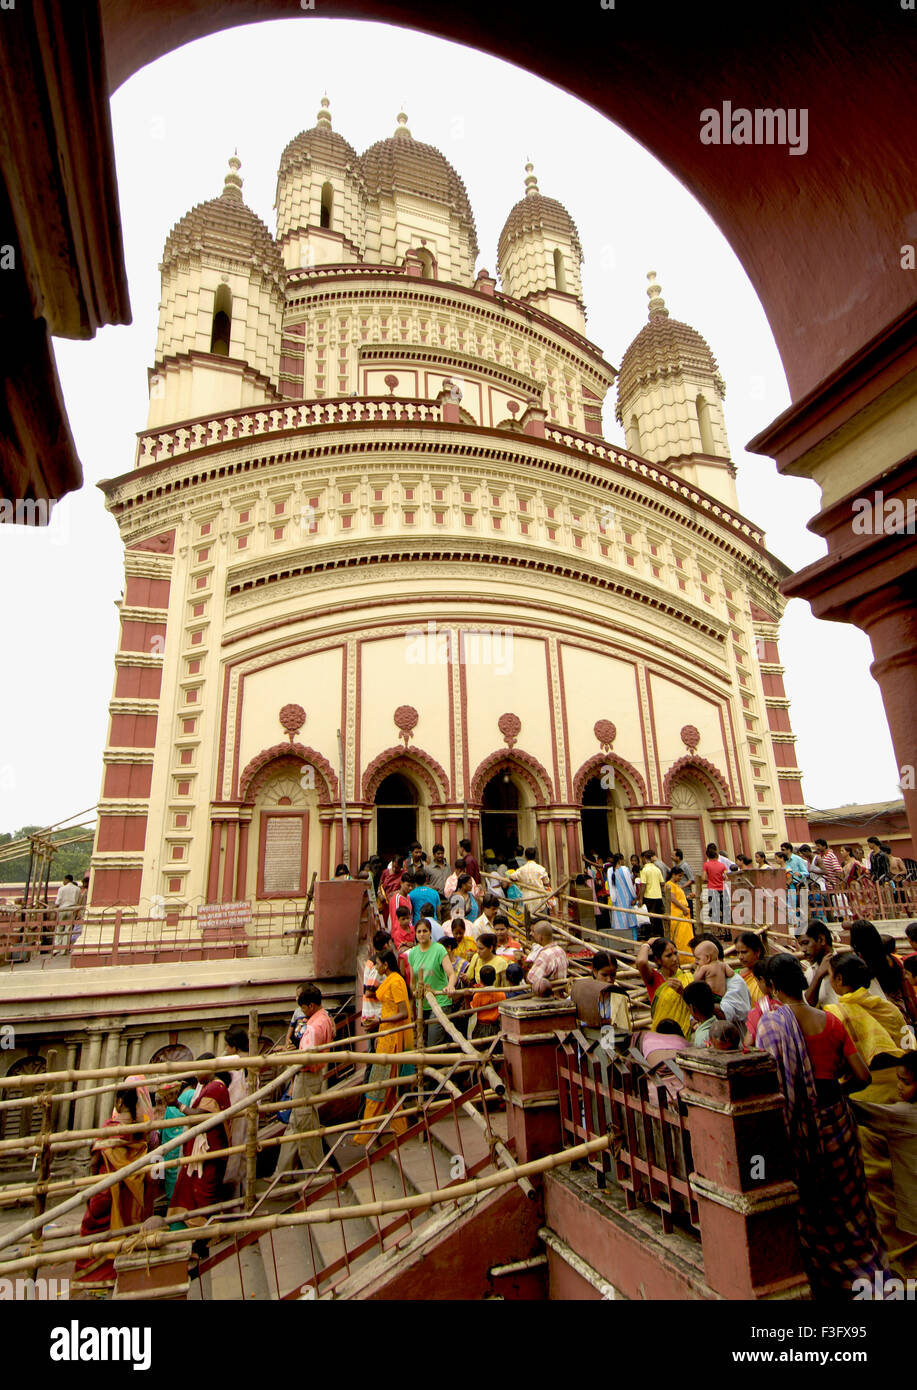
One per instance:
(386, 579)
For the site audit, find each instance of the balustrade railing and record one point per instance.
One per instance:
(603, 1092)
(177, 441)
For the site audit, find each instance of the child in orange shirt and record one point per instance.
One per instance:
(485, 1001)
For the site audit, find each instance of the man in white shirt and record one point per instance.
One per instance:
(533, 879)
(68, 896)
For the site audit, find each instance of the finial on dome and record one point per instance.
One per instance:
(531, 183)
(232, 184)
(654, 293)
(402, 127)
(324, 116)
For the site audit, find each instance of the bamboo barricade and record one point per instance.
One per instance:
(44, 1160)
(215, 1064)
(13, 1196)
(251, 1138)
(498, 1149)
(210, 1064)
(155, 1240)
(62, 1138)
(109, 1180)
(468, 1048)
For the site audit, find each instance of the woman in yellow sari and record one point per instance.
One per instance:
(657, 963)
(680, 924)
(878, 1029)
(392, 994)
(876, 1026)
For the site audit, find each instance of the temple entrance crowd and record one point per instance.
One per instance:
(834, 1002)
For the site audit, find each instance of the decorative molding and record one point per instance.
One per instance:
(405, 718)
(534, 773)
(690, 737)
(605, 733)
(415, 761)
(510, 726)
(710, 775)
(632, 781)
(292, 718)
(255, 771)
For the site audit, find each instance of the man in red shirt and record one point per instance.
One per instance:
(317, 1033)
(471, 864)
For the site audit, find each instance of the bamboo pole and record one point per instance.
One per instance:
(109, 1180)
(156, 1069)
(496, 1145)
(251, 1137)
(44, 1159)
(13, 1196)
(155, 1240)
(495, 1080)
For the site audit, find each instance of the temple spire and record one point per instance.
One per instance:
(531, 183)
(232, 184)
(654, 293)
(323, 119)
(402, 127)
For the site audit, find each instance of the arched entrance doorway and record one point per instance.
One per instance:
(507, 818)
(598, 821)
(396, 815)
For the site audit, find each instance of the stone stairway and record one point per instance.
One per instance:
(280, 1264)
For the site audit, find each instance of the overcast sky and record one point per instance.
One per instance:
(254, 88)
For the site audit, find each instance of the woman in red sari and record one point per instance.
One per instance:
(128, 1202)
(200, 1184)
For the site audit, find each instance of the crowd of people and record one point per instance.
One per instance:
(636, 896)
(840, 1023)
(838, 1020)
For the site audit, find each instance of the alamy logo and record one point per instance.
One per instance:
(761, 126)
(439, 646)
(75, 1343)
(33, 1290)
(884, 1288)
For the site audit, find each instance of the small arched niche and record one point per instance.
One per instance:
(221, 329)
(706, 428)
(326, 214)
(560, 274)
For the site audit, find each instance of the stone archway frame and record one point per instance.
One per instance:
(259, 768)
(706, 772)
(533, 773)
(416, 763)
(632, 781)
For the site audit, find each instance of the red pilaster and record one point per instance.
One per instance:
(229, 861)
(242, 861)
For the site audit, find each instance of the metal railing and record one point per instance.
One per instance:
(606, 1093)
(117, 936)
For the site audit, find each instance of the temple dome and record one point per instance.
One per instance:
(403, 164)
(321, 144)
(664, 345)
(536, 213)
(225, 227)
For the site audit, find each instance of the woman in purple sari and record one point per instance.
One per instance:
(813, 1051)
